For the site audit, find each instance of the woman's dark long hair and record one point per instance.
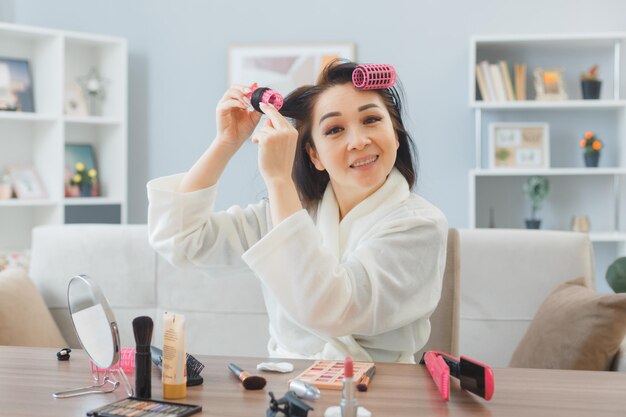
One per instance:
(299, 104)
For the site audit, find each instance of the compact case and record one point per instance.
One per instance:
(140, 407)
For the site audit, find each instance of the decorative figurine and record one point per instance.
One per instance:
(93, 85)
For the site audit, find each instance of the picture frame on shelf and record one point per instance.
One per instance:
(519, 145)
(16, 85)
(81, 153)
(26, 182)
(549, 84)
(74, 103)
(283, 67)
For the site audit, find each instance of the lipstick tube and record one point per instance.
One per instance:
(348, 403)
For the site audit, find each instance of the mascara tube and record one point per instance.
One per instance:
(348, 403)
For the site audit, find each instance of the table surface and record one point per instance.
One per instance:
(29, 376)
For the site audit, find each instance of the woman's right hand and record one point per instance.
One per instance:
(236, 119)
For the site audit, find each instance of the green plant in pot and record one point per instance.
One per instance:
(616, 275)
(536, 189)
(590, 84)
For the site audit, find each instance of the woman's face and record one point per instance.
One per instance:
(355, 142)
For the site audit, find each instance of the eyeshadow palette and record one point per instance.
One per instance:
(326, 374)
(137, 407)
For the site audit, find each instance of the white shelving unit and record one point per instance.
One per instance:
(495, 194)
(57, 58)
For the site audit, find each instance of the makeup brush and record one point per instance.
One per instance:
(367, 378)
(142, 328)
(250, 382)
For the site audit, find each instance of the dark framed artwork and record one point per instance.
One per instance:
(16, 85)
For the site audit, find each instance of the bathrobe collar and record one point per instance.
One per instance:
(335, 233)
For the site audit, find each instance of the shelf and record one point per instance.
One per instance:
(91, 201)
(92, 120)
(26, 116)
(607, 236)
(16, 202)
(547, 172)
(496, 194)
(556, 105)
(585, 38)
(56, 60)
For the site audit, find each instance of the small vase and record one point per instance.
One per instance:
(85, 190)
(592, 159)
(533, 223)
(591, 89)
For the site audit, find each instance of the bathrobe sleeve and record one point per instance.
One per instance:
(392, 278)
(185, 230)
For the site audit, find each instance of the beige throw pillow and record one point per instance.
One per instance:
(574, 328)
(24, 317)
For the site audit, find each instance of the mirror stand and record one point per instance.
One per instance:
(104, 383)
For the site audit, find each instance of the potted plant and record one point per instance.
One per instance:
(536, 189)
(616, 275)
(84, 179)
(590, 84)
(592, 145)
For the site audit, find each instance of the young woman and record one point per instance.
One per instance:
(350, 260)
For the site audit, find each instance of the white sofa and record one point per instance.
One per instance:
(505, 276)
(224, 309)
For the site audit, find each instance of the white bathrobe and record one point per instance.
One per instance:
(364, 286)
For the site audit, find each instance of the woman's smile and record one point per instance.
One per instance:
(364, 163)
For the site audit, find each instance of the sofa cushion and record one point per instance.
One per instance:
(24, 316)
(574, 328)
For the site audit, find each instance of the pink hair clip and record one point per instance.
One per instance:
(264, 95)
(374, 76)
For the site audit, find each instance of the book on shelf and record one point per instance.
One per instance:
(520, 81)
(486, 71)
(506, 77)
(498, 82)
(482, 84)
(494, 82)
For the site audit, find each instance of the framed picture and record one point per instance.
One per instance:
(282, 67)
(519, 145)
(26, 182)
(16, 86)
(549, 84)
(82, 153)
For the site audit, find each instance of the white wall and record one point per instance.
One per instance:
(178, 70)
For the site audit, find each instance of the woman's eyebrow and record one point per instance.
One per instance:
(367, 106)
(327, 115)
(336, 113)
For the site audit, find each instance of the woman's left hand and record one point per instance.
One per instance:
(277, 141)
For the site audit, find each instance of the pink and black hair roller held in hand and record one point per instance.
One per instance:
(374, 76)
(265, 95)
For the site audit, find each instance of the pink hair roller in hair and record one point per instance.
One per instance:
(374, 76)
(265, 95)
(273, 98)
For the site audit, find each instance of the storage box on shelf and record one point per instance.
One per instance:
(496, 198)
(37, 139)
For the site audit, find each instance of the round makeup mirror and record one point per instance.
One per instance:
(97, 332)
(93, 321)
